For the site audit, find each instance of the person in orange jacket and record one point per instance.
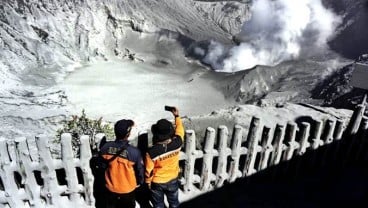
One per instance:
(126, 172)
(162, 161)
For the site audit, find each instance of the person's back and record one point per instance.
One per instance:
(162, 161)
(125, 172)
(121, 176)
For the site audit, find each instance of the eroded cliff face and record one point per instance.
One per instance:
(53, 34)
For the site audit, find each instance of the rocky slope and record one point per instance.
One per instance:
(352, 38)
(53, 34)
(42, 41)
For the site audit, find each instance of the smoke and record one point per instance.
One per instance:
(278, 30)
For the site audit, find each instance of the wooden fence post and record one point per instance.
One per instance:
(69, 167)
(190, 161)
(278, 144)
(356, 119)
(85, 156)
(27, 166)
(209, 152)
(267, 148)
(253, 147)
(7, 168)
(329, 131)
(236, 152)
(51, 190)
(32, 148)
(339, 130)
(223, 153)
(292, 145)
(304, 144)
(316, 135)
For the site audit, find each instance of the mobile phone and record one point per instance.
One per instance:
(169, 108)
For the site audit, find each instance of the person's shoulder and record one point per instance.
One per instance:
(106, 146)
(154, 150)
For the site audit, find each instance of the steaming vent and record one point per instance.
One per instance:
(277, 31)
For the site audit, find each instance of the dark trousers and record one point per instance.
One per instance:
(100, 192)
(114, 200)
(143, 196)
(170, 189)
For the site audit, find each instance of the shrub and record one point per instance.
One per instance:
(82, 125)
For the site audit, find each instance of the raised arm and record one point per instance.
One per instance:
(179, 128)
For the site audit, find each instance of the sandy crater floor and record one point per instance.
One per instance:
(122, 89)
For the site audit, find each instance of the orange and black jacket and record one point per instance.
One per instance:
(126, 171)
(162, 159)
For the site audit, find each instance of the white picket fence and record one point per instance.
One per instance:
(29, 174)
(31, 177)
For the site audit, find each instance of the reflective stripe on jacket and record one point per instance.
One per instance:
(126, 171)
(162, 159)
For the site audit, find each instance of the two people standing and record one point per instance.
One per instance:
(127, 172)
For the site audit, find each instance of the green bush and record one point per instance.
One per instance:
(82, 125)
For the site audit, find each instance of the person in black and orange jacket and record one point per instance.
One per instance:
(162, 161)
(126, 172)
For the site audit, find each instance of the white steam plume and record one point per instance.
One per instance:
(278, 30)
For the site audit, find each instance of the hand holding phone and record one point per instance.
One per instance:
(169, 108)
(173, 110)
